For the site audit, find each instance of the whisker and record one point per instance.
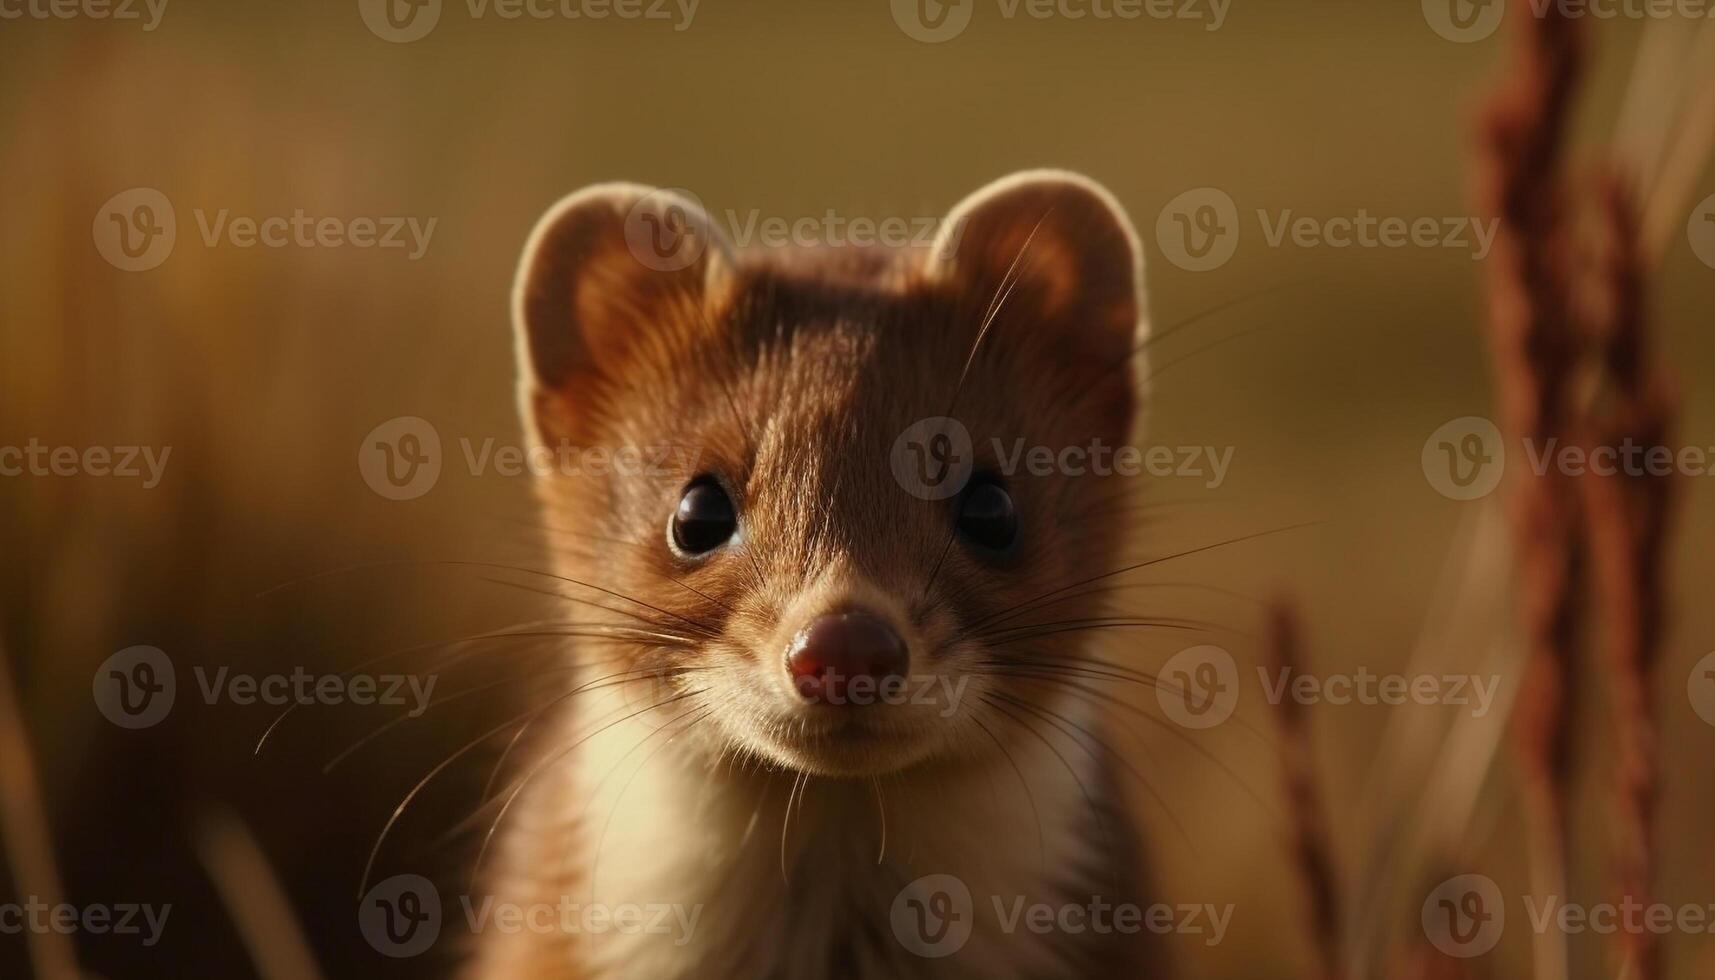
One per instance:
(1163, 724)
(642, 672)
(471, 563)
(1088, 386)
(1096, 668)
(1029, 797)
(1074, 730)
(1190, 586)
(881, 810)
(1089, 800)
(574, 630)
(1033, 630)
(647, 548)
(1030, 603)
(786, 821)
(556, 594)
(466, 749)
(1008, 282)
(700, 627)
(554, 758)
(696, 712)
(500, 763)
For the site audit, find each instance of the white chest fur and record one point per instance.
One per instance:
(663, 868)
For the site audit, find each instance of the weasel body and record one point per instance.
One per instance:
(723, 779)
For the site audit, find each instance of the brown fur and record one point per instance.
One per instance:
(788, 378)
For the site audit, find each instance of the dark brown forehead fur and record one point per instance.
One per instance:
(790, 385)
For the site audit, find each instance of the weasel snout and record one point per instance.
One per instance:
(847, 658)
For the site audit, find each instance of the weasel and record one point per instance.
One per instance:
(827, 727)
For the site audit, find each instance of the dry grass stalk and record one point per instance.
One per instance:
(1309, 816)
(1628, 518)
(1536, 350)
(1686, 142)
(254, 898)
(24, 826)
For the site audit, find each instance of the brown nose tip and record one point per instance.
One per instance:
(845, 658)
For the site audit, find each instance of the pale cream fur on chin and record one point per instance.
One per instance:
(705, 845)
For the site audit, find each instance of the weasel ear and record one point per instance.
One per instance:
(606, 271)
(1059, 244)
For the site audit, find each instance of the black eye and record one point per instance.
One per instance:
(987, 516)
(705, 518)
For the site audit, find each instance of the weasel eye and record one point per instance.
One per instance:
(705, 518)
(987, 516)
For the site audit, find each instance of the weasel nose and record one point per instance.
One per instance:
(827, 656)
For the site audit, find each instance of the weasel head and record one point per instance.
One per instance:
(827, 536)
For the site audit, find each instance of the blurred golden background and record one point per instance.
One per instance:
(263, 369)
